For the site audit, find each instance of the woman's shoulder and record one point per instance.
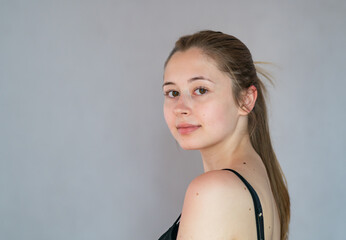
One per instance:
(218, 186)
(214, 203)
(217, 180)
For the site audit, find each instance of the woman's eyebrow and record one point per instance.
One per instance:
(190, 80)
(199, 78)
(167, 83)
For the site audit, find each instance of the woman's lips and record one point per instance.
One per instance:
(187, 128)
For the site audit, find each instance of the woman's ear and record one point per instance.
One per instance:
(248, 100)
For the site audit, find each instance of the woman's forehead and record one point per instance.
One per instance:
(190, 64)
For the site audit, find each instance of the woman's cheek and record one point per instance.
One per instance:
(213, 112)
(167, 112)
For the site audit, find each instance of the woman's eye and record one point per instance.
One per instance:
(172, 93)
(201, 91)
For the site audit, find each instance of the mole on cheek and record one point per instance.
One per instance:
(197, 193)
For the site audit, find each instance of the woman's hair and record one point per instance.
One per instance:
(234, 58)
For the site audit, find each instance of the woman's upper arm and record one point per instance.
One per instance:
(217, 205)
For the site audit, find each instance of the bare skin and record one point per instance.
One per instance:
(201, 113)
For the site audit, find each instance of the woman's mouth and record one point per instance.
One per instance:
(187, 128)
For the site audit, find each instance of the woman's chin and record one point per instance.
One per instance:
(189, 146)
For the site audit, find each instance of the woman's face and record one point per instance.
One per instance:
(199, 107)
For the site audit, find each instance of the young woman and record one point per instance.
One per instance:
(214, 102)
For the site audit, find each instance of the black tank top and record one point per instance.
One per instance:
(172, 232)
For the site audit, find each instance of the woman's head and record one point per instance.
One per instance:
(241, 94)
(199, 107)
(208, 54)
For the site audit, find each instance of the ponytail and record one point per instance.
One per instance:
(260, 139)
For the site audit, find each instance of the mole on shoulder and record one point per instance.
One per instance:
(197, 193)
(244, 162)
(249, 209)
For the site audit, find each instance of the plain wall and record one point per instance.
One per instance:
(84, 149)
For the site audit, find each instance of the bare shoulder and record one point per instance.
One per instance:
(214, 184)
(214, 204)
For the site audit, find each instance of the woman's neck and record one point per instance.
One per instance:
(227, 153)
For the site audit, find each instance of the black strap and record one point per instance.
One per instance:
(257, 204)
(176, 221)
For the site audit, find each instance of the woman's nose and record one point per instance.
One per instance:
(183, 106)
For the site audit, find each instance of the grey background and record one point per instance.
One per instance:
(84, 149)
